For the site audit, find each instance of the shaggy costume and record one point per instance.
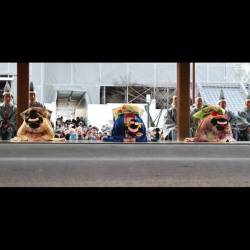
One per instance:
(213, 125)
(128, 125)
(36, 126)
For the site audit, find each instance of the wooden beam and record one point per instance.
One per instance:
(193, 82)
(22, 90)
(183, 101)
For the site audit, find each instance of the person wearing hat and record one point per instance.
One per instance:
(7, 115)
(222, 102)
(169, 127)
(33, 102)
(245, 113)
(198, 104)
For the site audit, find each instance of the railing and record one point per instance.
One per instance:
(243, 89)
(219, 84)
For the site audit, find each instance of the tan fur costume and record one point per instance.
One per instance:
(43, 133)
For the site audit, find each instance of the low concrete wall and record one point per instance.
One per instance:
(104, 164)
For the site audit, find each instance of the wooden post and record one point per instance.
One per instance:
(193, 82)
(183, 101)
(22, 90)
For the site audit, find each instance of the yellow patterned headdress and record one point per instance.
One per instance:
(126, 108)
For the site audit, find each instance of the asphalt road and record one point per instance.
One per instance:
(122, 165)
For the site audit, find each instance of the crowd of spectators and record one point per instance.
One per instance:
(77, 129)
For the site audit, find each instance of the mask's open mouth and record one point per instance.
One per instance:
(133, 126)
(33, 120)
(34, 124)
(222, 123)
(133, 130)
